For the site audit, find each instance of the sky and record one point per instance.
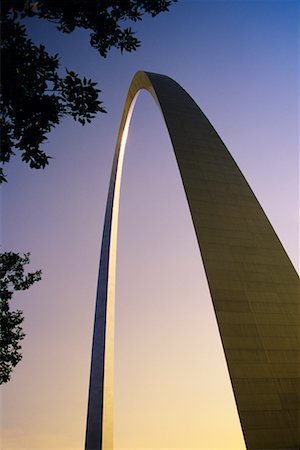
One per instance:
(239, 62)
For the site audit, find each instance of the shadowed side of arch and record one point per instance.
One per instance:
(253, 285)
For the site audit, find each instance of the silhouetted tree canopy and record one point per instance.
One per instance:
(12, 278)
(35, 96)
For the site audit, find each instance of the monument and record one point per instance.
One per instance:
(253, 285)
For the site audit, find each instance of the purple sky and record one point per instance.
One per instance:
(239, 61)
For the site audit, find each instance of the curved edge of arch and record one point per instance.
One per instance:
(248, 272)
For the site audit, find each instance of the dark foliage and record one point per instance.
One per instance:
(34, 96)
(12, 278)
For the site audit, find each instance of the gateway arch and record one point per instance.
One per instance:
(253, 285)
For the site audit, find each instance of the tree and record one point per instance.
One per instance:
(12, 278)
(35, 96)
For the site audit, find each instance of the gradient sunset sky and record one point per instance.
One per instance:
(239, 61)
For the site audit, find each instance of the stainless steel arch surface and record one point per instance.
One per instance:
(253, 285)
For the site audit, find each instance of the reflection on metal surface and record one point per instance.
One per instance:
(107, 439)
(253, 285)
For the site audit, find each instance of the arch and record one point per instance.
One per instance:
(253, 285)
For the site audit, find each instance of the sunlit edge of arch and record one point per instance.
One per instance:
(108, 389)
(114, 191)
(99, 425)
